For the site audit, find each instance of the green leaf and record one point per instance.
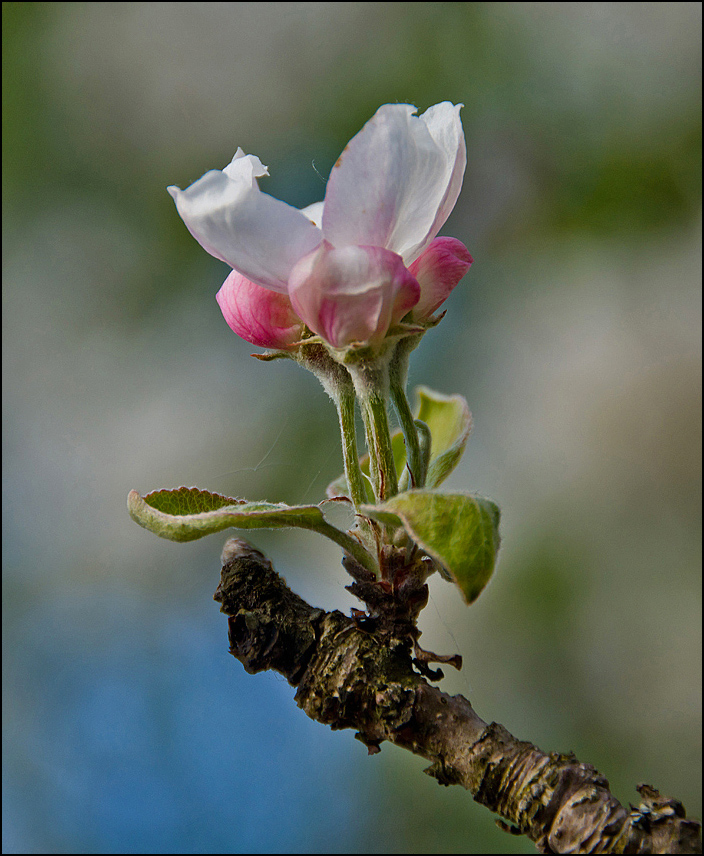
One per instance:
(450, 422)
(187, 513)
(460, 531)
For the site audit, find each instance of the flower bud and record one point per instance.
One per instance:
(438, 270)
(257, 314)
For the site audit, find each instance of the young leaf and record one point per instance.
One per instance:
(187, 513)
(459, 531)
(450, 422)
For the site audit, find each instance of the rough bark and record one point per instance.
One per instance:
(349, 673)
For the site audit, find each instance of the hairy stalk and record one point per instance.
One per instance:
(410, 434)
(337, 382)
(344, 398)
(371, 383)
(398, 373)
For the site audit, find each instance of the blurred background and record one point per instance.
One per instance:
(575, 337)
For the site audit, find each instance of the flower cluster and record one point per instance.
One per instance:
(349, 268)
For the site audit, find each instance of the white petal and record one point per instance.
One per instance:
(234, 221)
(397, 179)
(445, 126)
(243, 165)
(314, 212)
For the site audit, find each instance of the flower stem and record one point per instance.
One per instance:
(371, 383)
(344, 401)
(397, 376)
(338, 384)
(410, 435)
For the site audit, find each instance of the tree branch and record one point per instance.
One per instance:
(347, 675)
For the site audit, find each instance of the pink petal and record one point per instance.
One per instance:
(352, 294)
(397, 180)
(259, 315)
(234, 221)
(438, 270)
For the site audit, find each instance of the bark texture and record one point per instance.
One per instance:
(358, 673)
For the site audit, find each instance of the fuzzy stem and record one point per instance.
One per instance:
(408, 426)
(337, 383)
(371, 383)
(344, 401)
(398, 373)
(344, 397)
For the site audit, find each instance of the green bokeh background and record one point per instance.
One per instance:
(576, 338)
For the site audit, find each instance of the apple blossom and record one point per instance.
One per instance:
(346, 288)
(350, 264)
